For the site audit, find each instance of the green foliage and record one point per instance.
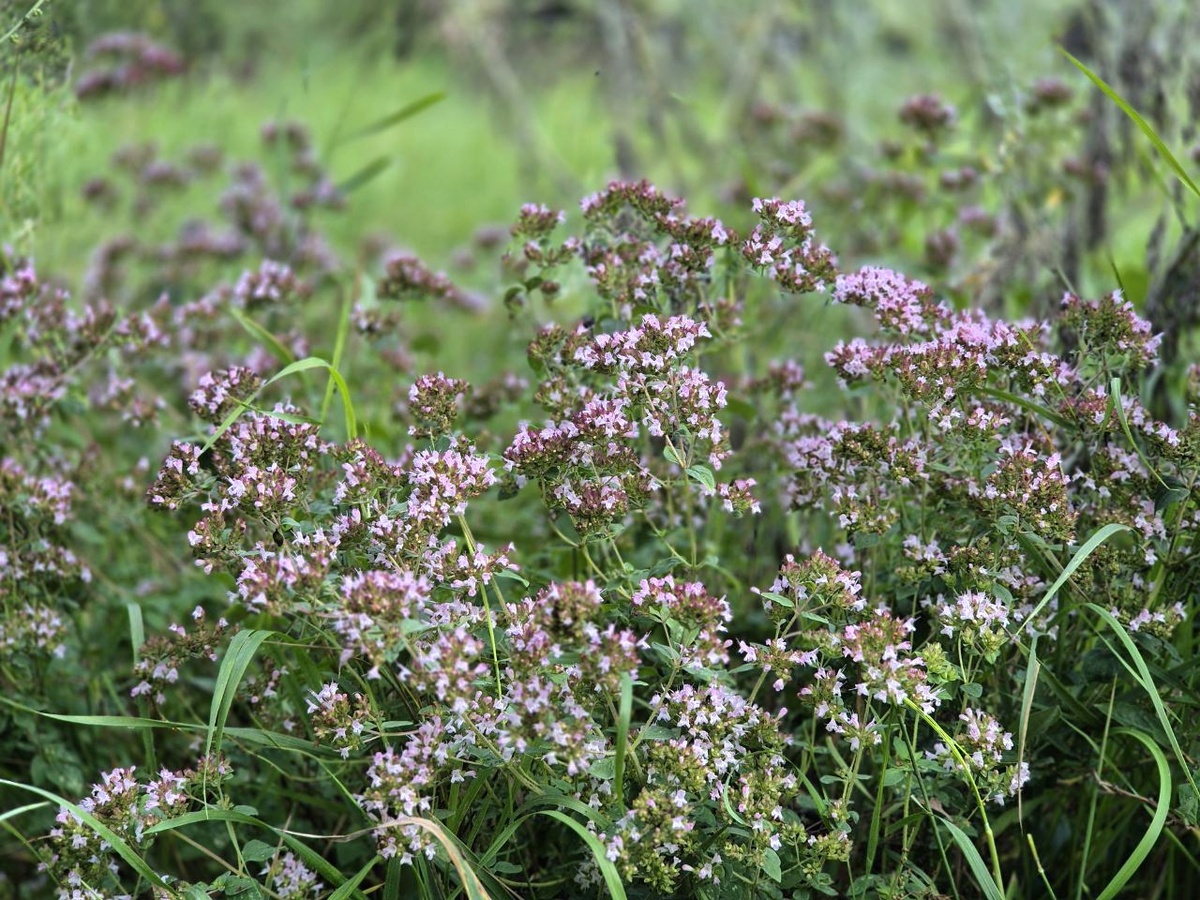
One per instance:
(718, 566)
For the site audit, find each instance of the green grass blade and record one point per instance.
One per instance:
(611, 877)
(1032, 670)
(114, 840)
(236, 660)
(1026, 404)
(313, 362)
(405, 112)
(1114, 387)
(21, 810)
(308, 856)
(1161, 808)
(300, 365)
(255, 736)
(256, 331)
(365, 175)
(1146, 680)
(339, 348)
(351, 886)
(1101, 535)
(137, 630)
(974, 861)
(391, 884)
(1141, 123)
(624, 715)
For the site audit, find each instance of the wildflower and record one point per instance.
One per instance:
(982, 745)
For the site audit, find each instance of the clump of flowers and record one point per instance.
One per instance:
(122, 61)
(982, 747)
(470, 628)
(783, 246)
(78, 858)
(161, 657)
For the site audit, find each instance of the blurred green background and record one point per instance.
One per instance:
(545, 100)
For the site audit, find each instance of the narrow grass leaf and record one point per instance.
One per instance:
(1146, 128)
(365, 175)
(339, 347)
(612, 878)
(391, 884)
(974, 861)
(1146, 680)
(351, 886)
(1101, 535)
(1025, 403)
(315, 362)
(114, 840)
(255, 736)
(1161, 807)
(405, 112)
(1032, 669)
(308, 856)
(624, 715)
(21, 810)
(1114, 387)
(236, 660)
(258, 332)
(137, 630)
(300, 365)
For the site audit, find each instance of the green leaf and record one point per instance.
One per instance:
(772, 866)
(238, 886)
(114, 840)
(604, 769)
(1008, 397)
(783, 601)
(703, 475)
(1141, 672)
(1141, 123)
(612, 879)
(307, 855)
(258, 332)
(403, 113)
(1101, 535)
(974, 861)
(391, 886)
(257, 851)
(1032, 669)
(655, 733)
(351, 885)
(1161, 807)
(1170, 494)
(365, 175)
(137, 631)
(624, 717)
(237, 659)
(339, 347)
(300, 365)
(1114, 387)
(1189, 805)
(21, 810)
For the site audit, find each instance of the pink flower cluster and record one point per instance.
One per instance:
(783, 247)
